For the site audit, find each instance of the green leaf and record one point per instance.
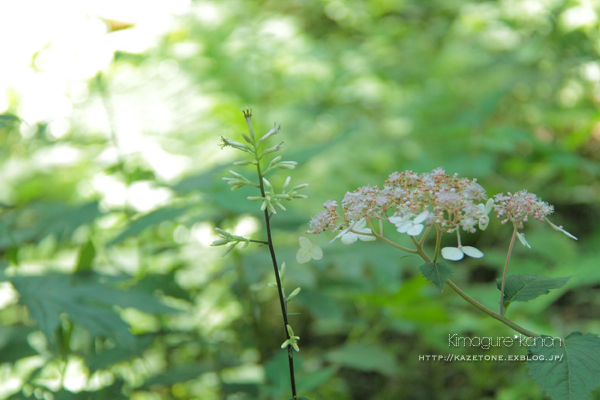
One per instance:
(86, 256)
(88, 302)
(105, 359)
(576, 371)
(13, 343)
(528, 287)
(164, 283)
(437, 274)
(148, 220)
(38, 220)
(364, 357)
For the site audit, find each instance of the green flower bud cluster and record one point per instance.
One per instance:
(270, 199)
(226, 238)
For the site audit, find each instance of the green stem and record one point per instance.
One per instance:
(282, 300)
(510, 247)
(477, 304)
(438, 242)
(386, 240)
(489, 312)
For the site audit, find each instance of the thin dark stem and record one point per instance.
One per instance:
(259, 241)
(282, 300)
(510, 247)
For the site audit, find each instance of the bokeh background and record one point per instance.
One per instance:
(111, 116)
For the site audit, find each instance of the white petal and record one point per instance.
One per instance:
(421, 217)
(316, 252)
(342, 233)
(472, 252)
(568, 234)
(404, 227)
(522, 240)
(415, 230)
(303, 256)
(366, 238)
(395, 220)
(558, 228)
(489, 205)
(358, 225)
(452, 253)
(349, 238)
(304, 242)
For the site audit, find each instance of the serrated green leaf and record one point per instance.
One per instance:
(576, 371)
(87, 302)
(364, 357)
(528, 287)
(437, 273)
(86, 257)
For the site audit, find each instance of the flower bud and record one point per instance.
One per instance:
(220, 242)
(293, 294)
(272, 132)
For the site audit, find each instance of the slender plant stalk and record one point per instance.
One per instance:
(282, 300)
(462, 294)
(510, 247)
(388, 241)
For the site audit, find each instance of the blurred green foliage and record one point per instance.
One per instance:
(117, 299)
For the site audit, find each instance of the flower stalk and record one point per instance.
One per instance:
(270, 199)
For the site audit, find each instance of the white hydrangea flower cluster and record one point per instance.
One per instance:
(414, 203)
(517, 207)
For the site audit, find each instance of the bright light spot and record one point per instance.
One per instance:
(280, 29)
(577, 17)
(75, 378)
(168, 69)
(591, 71)
(203, 233)
(100, 379)
(27, 130)
(114, 192)
(59, 128)
(145, 197)
(246, 226)
(209, 14)
(3, 102)
(8, 295)
(60, 154)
